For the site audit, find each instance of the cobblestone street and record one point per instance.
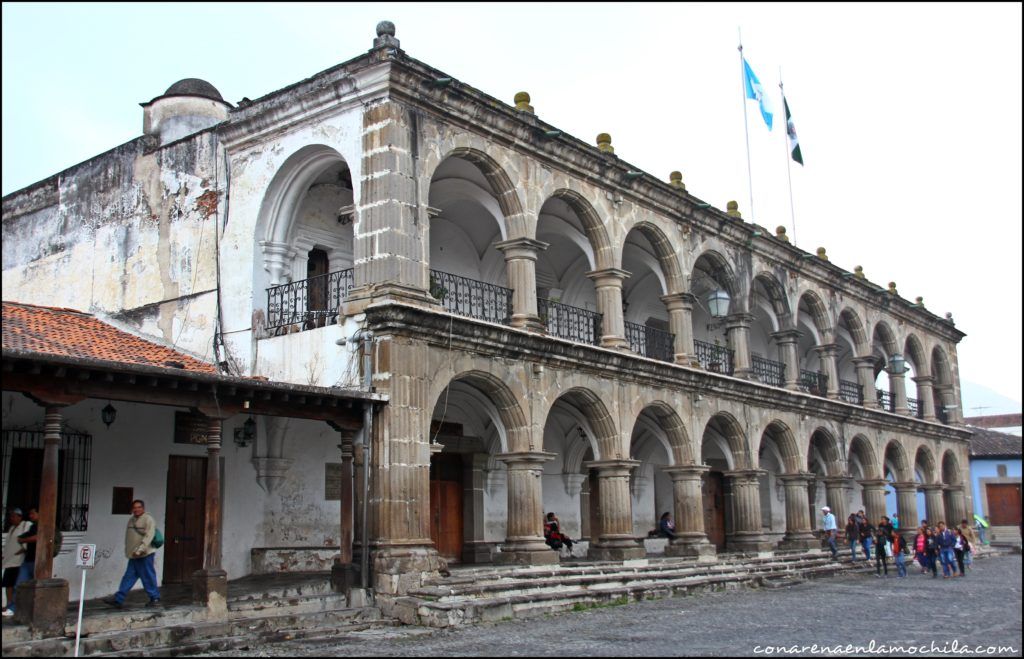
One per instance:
(983, 609)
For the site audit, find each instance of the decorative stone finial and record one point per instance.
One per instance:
(858, 272)
(780, 233)
(892, 288)
(821, 254)
(522, 100)
(919, 301)
(675, 179)
(385, 36)
(949, 317)
(604, 143)
(733, 209)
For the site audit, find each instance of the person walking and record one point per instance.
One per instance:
(920, 544)
(960, 548)
(140, 553)
(828, 525)
(852, 536)
(27, 540)
(972, 541)
(14, 556)
(895, 521)
(899, 553)
(945, 541)
(881, 557)
(867, 532)
(931, 552)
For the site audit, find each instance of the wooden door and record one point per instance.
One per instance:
(446, 505)
(316, 280)
(1003, 504)
(185, 527)
(713, 496)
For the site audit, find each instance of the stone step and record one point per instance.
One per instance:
(269, 606)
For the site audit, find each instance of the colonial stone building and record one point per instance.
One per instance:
(543, 326)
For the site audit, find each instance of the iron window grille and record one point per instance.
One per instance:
(22, 471)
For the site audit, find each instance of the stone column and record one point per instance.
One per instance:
(788, 341)
(798, 525)
(827, 357)
(866, 375)
(41, 603)
(926, 396)
(747, 534)
(524, 542)
(210, 584)
(688, 504)
(956, 508)
(737, 326)
(609, 300)
(874, 499)
(837, 490)
(934, 509)
(475, 549)
(906, 503)
(680, 321)
(898, 388)
(615, 541)
(946, 396)
(344, 573)
(520, 264)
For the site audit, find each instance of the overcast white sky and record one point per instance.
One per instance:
(909, 116)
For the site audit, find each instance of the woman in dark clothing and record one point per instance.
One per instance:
(960, 548)
(852, 536)
(931, 553)
(881, 559)
(666, 527)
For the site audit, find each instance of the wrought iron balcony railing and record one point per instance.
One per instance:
(768, 371)
(886, 400)
(716, 359)
(851, 392)
(309, 303)
(568, 322)
(814, 382)
(915, 407)
(650, 341)
(471, 298)
(940, 412)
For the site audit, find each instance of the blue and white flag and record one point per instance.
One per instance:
(754, 90)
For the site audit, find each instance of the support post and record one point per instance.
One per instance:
(747, 534)
(345, 574)
(615, 541)
(788, 340)
(798, 524)
(608, 283)
(521, 266)
(687, 499)
(210, 584)
(524, 542)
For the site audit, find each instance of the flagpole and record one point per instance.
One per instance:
(785, 145)
(746, 131)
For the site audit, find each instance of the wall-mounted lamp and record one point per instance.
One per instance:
(718, 303)
(247, 433)
(897, 365)
(108, 414)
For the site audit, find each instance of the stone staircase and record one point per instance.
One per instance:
(473, 595)
(309, 611)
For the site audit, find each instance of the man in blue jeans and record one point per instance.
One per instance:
(140, 554)
(946, 540)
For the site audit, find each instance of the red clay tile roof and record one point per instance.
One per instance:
(990, 443)
(72, 333)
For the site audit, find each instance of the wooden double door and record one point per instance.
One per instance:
(1004, 504)
(185, 532)
(713, 496)
(446, 529)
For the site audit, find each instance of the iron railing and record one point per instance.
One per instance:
(768, 371)
(940, 412)
(308, 304)
(650, 341)
(851, 392)
(22, 474)
(716, 359)
(568, 322)
(915, 407)
(886, 400)
(472, 298)
(814, 382)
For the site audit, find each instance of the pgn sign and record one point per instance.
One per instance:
(85, 556)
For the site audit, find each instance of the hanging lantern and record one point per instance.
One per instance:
(897, 364)
(718, 303)
(108, 414)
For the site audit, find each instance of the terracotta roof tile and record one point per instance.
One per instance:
(72, 333)
(992, 443)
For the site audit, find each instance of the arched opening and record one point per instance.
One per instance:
(712, 274)
(883, 347)
(658, 441)
(777, 455)
(853, 344)
(863, 465)
(654, 272)
(947, 405)
(723, 450)
(769, 311)
(815, 332)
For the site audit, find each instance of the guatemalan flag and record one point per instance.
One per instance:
(755, 91)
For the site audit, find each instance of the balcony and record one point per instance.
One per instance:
(650, 342)
(886, 401)
(471, 298)
(814, 382)
(716, 359)
(915, 407)
(851, 392)
(767, 371)
(307, 304)
(571, 323)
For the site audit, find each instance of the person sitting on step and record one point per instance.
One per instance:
(553, 535)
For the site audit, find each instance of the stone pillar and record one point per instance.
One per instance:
(906, 504)
(475, 549)
(837, 490)
(615, 541)
(898, 388)
(609, 300)
(524, 542)
(520, 265)
(948, 400)
(359, 464)
(747, 534)
(737, 326)
(934, 509)
(210, 584)
(688, 504)
(788, 341)
(866, 375)
(956, 508)
(827, 357)
(41, 603)
(798, 525)
(926, 396)
(873, 494)
(680, 322)
(344, 573)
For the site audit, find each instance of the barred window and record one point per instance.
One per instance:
(22, 469)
